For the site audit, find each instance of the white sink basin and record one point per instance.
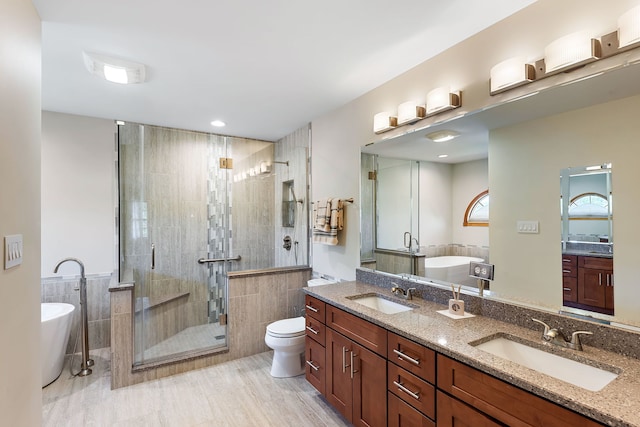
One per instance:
(571, 371)
(381, 304)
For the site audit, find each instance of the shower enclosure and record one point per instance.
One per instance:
(193, 207)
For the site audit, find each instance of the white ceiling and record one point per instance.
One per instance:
(264, 67)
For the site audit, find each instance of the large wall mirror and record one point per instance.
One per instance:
(521, 145)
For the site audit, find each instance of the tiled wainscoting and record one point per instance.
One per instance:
(65, 289)
(256, 298)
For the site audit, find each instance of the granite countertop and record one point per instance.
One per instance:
(587, 253)
(617, 404)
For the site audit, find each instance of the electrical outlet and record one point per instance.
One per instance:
(481, 270)
(528, 227)
(12, 251)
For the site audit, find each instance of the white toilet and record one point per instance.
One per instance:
(286, 338)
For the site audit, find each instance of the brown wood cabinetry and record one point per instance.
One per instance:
(587, 282)
(499, 400)
(315, 352)
(569, 278)
(355, 381)
(401, 414)
(453, 413)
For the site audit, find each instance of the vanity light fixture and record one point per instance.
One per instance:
(218, 123)
(629, 28)
(383, 122)
(510, 74)
(599, 167)
(114, 69)
(442, 99)
(409, 112)
(442, 135)
(571, 51)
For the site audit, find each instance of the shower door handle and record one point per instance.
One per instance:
(208, 260)
(153, 256)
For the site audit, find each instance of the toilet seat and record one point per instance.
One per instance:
(287, 328)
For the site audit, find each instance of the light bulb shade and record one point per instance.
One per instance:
(629, 27)
(511, 73)
(409, 112)
(383, 122)
(571, 51)
(113, 69)
(442, 99)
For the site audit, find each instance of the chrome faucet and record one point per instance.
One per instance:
(86, 362)
(556, 337)
(401, 292)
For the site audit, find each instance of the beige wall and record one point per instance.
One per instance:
(78, 207)
(20, 376)
(469, 180)
(338, 135)
(525, 185)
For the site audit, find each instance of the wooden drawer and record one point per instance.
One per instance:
(412, 356)
(570, 289)
(404, 415)
(361, 331)
(314, 308)
(569, 265)
(453, 413)
(315, 366)
(413, 390)
(315, 330)
(500, 400)
(595, 262)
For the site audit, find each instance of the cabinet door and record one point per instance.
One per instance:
(315, 364)
(402, 414)
(592, 286)
(338, 386)
(412, 356)
(453, 413)
(369, 387)
(314, 308)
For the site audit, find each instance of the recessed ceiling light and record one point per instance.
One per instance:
(113, 69)
(442, 135)
(218, 123)
(443, 156)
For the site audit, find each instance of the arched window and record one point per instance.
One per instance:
(477, 213)
(589, 206)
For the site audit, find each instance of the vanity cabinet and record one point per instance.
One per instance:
(315, 353)
(569, 279)
(595, 283)
(410, 378)
(587, 282)
(496, 399)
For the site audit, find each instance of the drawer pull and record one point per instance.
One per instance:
(315, 310)
(344, 361)
(401, 387)
(310, 363)
(310, 329)
(403, 356)
(566, 289)
(353, 371)
(566, 260)
(566, 271)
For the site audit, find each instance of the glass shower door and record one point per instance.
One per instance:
(174, 220)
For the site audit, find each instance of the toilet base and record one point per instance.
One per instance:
(286, 364)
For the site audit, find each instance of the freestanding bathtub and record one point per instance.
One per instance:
(454, 269)
(55, 321)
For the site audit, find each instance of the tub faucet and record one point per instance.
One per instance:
(556, 337)
(401, 292)
(86, 362)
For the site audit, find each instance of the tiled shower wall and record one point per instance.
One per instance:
(293, 148)
(56, 289)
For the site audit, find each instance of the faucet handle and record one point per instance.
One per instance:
(547, 328)
(575, 339)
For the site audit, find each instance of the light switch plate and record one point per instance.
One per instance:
(12, 251)
(528, 227)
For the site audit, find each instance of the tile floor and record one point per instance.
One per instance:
(238, 393)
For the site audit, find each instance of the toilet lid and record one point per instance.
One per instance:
(287, 327)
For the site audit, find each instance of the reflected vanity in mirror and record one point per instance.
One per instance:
(587, 238)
